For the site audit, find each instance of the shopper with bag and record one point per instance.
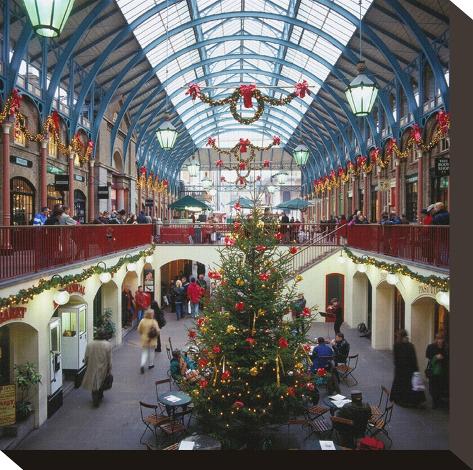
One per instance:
(98, 358)
(159, 317)
(149, 331)
(437, 370)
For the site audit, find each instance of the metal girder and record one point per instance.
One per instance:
(428, 10)
(20, 51)
(426, 47)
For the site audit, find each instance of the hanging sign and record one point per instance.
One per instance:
(7, 405)
(149, 203)
(79, 178)
(21, 161)
(75, 288)
(12, 313)
(148, 282)
(442, 166)
(61, 182)
(102, 192)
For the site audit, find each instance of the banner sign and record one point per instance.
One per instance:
(7, 405)
(442, 166)
(102, 192)
(61, 182)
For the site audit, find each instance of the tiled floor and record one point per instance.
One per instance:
(116, 424)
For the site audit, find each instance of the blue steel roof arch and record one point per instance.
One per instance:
(244, 14)
(402, 77)
(342, 104)
(131, 96)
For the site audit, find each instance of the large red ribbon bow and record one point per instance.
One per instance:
(246, 92)
(374, 155)
(193, 91)
(301, 89)
(55, 119)
(16, 101)
(210, 141)
(276, 140)
(390, 146)
(416, 133)
(243, 144)
(443, 121)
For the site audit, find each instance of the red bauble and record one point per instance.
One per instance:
(240, 306)
(216, 349)
(192, 334)
(203, 383)
(200, 321)
(261, 248)
(291, 391)
(203, 363)
(306, 347)
(293, 250)
(238, 404)
(250, 341)
(306, 312)
(264, 277)
(321, 372)
(283, 343)
(278, 236)
(226, 375)
(310, 386)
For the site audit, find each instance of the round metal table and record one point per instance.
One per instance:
(203, 442)
(166, 399)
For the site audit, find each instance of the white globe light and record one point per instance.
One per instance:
(193, 168)
(105, 277)
(131, 267)
(392, 279)
(271, 189)
(362, 268)
(361, 93)
(61, 297)
(149, 259)
(443, 298)
(281, 178)
(341, 259)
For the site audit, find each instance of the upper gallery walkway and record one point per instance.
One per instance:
(27, 250)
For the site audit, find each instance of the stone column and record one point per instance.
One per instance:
(91, 192)
(366, 198)
(353, 195)
(6, 174)
(398, 187)
(420, 184)
(337, 197)
(43, 173)
(379, 198)
(120, 196)
(71, 182)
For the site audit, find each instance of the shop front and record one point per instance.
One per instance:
(22, 201)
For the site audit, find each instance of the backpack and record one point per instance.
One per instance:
(152, 333)
(362, 328)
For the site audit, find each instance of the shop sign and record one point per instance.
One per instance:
(442, 167)
(12, 313)
(75, 288)
(149, 203)
(148, 282)
(102, 192)
(79, 178)
(425, 289)
(61, 182)
(54, 170)
(21, 161)
(7, 405)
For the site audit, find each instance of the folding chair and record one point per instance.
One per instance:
(344, 427)
(176, 426)
(378, 410)
(346, 370)
(161, 382)
(381, 424)
(316, 411)
(153, 420)
(173, 381)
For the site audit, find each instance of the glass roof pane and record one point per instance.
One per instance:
(267, 72)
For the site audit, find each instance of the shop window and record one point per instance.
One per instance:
(54, 196)
(444, 144)
(52, 148)
(79, 206)
(411, 201)
(441, 321)
(22, 196)
(19, 137)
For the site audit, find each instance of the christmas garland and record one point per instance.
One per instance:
(242, 164)
(151, 182)
(248, 92)
(25, 295)
(50, 127)
(442, 283)
(365, 165)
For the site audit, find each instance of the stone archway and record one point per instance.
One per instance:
(360, 300)
(422, 327)
(112, 300)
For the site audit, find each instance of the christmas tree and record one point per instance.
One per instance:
(254, 366)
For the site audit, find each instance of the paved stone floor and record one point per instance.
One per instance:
(116, 424)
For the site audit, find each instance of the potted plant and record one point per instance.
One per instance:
(27, 376)
(105, 324)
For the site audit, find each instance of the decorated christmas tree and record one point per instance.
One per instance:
(253, 362)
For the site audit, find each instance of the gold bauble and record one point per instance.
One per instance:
(260, 224)
(254, 371)
(299, 365)
(231, 329)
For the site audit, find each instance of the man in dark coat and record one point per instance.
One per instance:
(441, 215)
(341, 349)
(437, 370)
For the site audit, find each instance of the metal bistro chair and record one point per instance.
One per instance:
(378, 410)
(161, 382)
(151, 421)
(381, 424)
(339, 425)
(346, 370)
(177, 426)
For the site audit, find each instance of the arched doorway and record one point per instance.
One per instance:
(335, 288)
(361, 300)
(399, 313)
(129, 287)
(80, 206)
(22, 199)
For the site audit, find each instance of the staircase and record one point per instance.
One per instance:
(317, 250)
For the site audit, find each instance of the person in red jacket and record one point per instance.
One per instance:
(142, 302)
(194, 293)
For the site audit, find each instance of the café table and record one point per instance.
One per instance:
(182, 400)
(203, 442)
(331, 405)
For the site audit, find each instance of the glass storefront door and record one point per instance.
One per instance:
(411, 201)
(22, 201)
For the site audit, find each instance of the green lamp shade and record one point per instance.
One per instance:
(48, 17)
(166, 135)
(361, 95)
(301, 155)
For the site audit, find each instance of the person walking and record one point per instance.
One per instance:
(159, 317)
(194, 293)
(148, 329)
(179, 298)
(142, 302)
(405, 364)
(98, 358)
(437, 370)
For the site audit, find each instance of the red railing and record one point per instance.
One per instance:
(26, 250)
(428, 244)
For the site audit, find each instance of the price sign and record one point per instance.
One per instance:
(7, 405)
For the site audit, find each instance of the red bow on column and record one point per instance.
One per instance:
(443, 121)
(301, 89)
(276, 140)
(55, 119)
(246, 92)
(416, 133)
(219, 163)
(258, 178)
(90, 144)
(193, 91)
(266, 163)
(243, 144)
(374, 155)
(223, 179)
(390, 146)
(341, 171)
(15, 102)
(211, 141)
(242, 165)
(143, 170)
